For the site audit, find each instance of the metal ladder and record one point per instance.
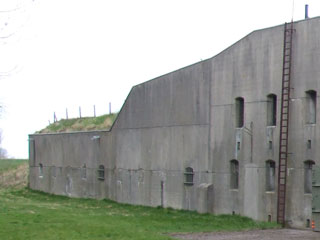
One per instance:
(284, 123)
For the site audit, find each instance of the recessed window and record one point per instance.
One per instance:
(238, 145)
(53, 171)
(239, 112)
(84, 171)
(308, 223)
(308, 176)
(40, 170)
(270, 175)
(270, 145)
(271, 110)
(311, 107)
(309, 144)
(234, 174)
(101, 172)
(188, 174)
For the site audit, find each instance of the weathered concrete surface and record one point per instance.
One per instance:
(187, 119)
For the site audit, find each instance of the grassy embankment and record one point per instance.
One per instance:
(27, 214)
(103, 122)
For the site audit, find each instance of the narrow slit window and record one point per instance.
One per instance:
(308, 176)
(270, 175)
(40, 170)
(311, 107)
(271, 110)
(234, 174)
(239, 112)
(188, 176)
(270, 145)
(238, 145)
(101, 172)
(84, 171)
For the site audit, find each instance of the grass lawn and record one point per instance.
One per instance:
(27, 214)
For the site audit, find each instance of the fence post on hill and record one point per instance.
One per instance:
(54, 117)
(94, 110)
(80, 112)
(66, 113)
(109, 107)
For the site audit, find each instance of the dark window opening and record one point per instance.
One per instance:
(309, 144)
(238, 145)
(188, 176)
(234, 174)
(101, 172)
(271, 110)
(239, 112)
(270, 175)
(84, 171)
(308, 223)
(270, 145)
(40, 170)
(311, 107)
(308, 176)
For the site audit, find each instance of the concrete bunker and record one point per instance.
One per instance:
(193, 125)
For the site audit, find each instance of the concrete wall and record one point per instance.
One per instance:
(162, 129)
(63, 157)
(252, 69)
(187, 119)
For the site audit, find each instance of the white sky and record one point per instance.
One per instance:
(69, 53)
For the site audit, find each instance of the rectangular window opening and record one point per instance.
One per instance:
(188, 176)
(308, 176)
(270, 175)
(309, 144)
(311, 107)
(238, 145)
(271, 110)
(234, 174)
(239, 112)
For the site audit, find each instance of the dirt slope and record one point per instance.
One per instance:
(15, 177)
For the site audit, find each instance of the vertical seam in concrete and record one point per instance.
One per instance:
(209, 134)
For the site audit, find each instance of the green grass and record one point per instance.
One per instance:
(27, 214)
(8, 164)
(32, 215)
(103, 122)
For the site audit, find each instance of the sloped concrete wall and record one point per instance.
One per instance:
(162, 129)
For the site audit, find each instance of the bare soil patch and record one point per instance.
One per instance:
(273, 234)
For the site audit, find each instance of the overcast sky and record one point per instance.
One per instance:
(69, 53)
